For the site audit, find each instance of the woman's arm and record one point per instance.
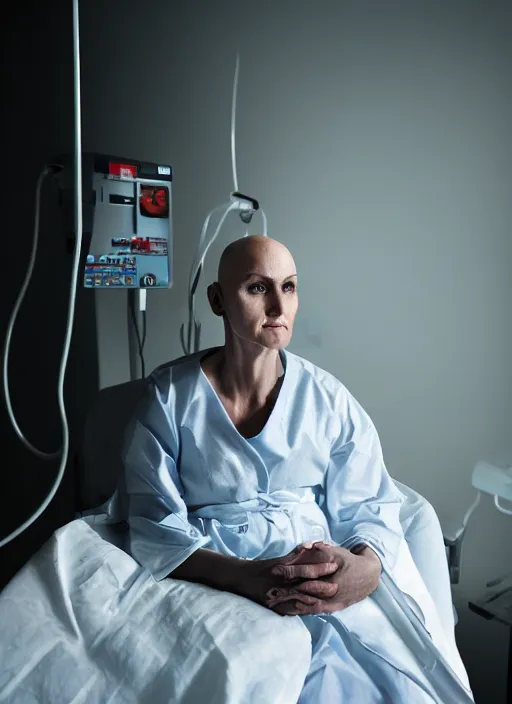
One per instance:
(362, 503)
(256, 579)
(207, 567)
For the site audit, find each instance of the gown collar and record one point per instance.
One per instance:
(276, 415)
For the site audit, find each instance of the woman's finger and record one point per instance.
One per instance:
(292, 572)
(325, 590)
(295, 607)
(278, 596)
(307, 545)
(309, 553)
(319, 589)
(287, 608)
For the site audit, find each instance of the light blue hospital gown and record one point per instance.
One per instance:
(315, 472)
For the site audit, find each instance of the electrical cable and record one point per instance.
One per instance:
(233, 124)
(501, 508)
(193, 327)
(140, 342)
(190, 334)
(144, 331)
(47, 170)
(63, 452)
(470, 510)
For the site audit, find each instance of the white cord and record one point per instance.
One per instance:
(501, 508)
(39, 453)
(233, 124)
(72, 296)
(199, 258)
(470, 510)
(190, 342)
(188, 346)
(227, 208)
(264, 218)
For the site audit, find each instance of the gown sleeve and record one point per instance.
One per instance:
(362, 503)
(161, 537)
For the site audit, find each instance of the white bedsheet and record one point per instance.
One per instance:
(83, 622)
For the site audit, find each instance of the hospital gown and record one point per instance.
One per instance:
(315, 472)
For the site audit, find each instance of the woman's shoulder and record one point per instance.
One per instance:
(168, 392)
(173, 384)
(311, 373)
(334, 395)
(182, 368)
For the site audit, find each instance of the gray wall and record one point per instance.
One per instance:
(377, 137)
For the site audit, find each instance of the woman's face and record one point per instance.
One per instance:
(258, 293)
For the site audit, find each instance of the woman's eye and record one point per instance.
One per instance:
(257, 288)
(289, 286)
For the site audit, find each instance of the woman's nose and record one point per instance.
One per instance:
(274, 304)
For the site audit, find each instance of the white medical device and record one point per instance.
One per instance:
(496, 481)
(487, 478)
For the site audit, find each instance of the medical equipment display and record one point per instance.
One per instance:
(127, 221)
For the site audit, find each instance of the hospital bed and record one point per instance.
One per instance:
(87, 624)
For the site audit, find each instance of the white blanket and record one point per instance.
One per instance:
(83, 622)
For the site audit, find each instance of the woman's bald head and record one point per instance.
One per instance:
(254, 254)
(256, 291)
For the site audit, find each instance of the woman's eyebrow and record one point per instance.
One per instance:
(267, 278)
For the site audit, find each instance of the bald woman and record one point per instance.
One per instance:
(253, 471)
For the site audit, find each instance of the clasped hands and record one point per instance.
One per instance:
(314, 578)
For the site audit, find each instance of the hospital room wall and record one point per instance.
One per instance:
(377, 137)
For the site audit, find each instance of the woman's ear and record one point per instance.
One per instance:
(215, 298)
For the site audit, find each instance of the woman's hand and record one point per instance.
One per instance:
(262, 580)
(357, 576)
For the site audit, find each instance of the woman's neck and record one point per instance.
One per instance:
(247, 373)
